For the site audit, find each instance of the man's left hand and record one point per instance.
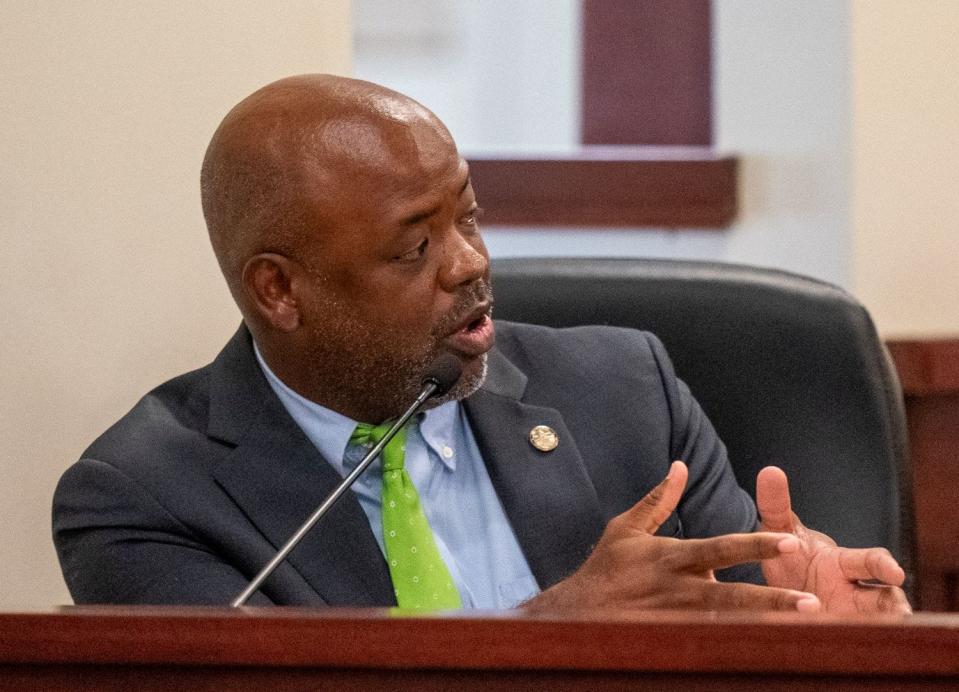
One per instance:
(846, 580)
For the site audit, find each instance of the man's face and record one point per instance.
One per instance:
(398, 272)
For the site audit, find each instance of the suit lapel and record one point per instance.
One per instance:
(278, 478)
(548, 496)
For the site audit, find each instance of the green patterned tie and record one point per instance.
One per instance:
(420, 577)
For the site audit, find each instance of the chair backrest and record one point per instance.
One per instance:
(789, 369)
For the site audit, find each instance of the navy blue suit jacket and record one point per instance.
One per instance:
(189, 494)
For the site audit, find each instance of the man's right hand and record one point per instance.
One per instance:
(632, 569)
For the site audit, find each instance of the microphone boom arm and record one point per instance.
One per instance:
(429, 389)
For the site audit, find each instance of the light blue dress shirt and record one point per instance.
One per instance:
(469, 524)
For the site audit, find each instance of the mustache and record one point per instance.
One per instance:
(471, 296)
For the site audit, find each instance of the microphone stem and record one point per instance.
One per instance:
(294, 540)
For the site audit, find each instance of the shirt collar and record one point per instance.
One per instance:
(438, 428)
(330, 431)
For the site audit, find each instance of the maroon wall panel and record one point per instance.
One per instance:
(647, 72)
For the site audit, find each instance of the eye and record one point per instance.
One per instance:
(472, 217)
(415, 253)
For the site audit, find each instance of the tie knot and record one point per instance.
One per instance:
(393, 453)
(368, 434)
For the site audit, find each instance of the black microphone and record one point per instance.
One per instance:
(443, 373)
(440, 377)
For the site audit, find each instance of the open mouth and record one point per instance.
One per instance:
(475, 324)
(475, 337)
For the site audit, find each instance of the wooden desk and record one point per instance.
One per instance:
(286, 649)
(929, 373)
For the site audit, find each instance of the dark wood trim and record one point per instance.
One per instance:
(647, 83)
(927, 366)
(625, 187)
(647, 72)
(929, 373)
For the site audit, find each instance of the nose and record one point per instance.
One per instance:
(466, 261)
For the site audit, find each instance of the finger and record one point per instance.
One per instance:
(876, 598)
(772, 499)
(649, 513)
(702, 554)
(719, 596)
(871, 563)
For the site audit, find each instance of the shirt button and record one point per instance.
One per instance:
(448, 452)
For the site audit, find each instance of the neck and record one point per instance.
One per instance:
(354, 403)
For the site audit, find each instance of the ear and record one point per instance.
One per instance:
(268, 279)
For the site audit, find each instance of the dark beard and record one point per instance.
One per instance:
(360, 372)
(467, 385)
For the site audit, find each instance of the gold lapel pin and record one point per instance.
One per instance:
(544, 438)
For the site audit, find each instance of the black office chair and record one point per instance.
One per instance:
(790, 371)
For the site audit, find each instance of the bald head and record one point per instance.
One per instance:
(345, 222)
(282, 156)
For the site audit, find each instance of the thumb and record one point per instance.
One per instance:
(648, 514)
(772, 500)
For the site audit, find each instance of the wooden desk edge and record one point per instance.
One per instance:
(920, 645)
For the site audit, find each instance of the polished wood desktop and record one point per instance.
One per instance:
(294, 649)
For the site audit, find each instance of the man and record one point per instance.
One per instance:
(346, 226)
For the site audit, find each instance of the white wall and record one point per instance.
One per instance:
(782, 104)
(500, 74)
(505, 76)
(906, 63)
(107, 283)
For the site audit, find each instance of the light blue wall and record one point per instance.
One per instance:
(504, 76)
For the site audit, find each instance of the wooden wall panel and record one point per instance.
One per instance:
(929, 373)
(647, 72)
(611, 189)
